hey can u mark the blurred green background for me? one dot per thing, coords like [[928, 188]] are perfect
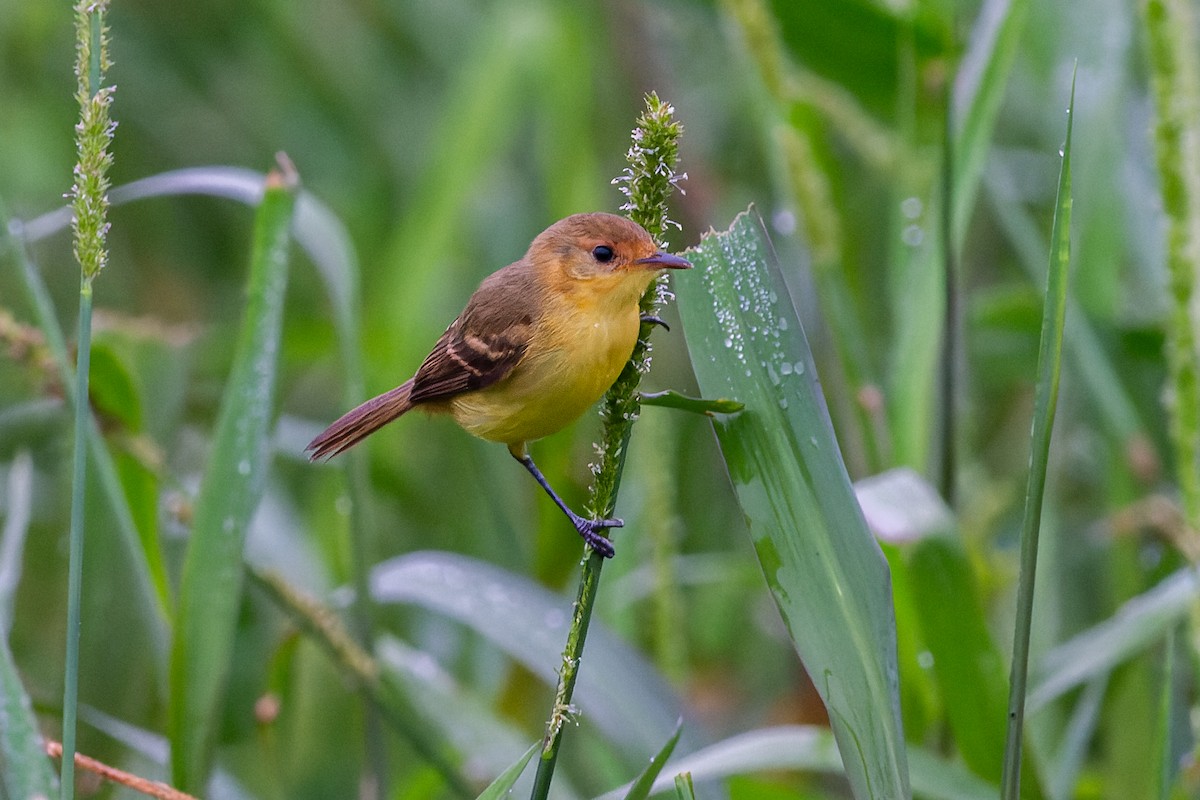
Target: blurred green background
[[445, 135]]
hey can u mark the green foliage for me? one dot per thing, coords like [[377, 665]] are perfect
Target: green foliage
[[1049, 370], [234, 481], [821, 563]]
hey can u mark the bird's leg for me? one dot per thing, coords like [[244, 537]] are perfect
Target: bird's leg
[[589, 529], [653, 320]]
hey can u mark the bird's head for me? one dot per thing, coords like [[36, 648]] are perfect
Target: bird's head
[[603, 252]]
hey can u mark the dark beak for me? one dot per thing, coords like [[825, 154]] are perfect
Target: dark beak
[[661, 260]]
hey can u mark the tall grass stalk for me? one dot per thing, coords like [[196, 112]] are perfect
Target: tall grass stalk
[[647, 182], [1045, 402], [1171, 25], [89, 200]]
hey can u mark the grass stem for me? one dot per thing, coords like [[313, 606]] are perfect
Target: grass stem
[[647, 183]]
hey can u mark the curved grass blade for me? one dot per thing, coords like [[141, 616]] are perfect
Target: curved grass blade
[[825, 570], [1140, 623], [1045, 403], [210, 591], [623, 696], [319, 234], [404, 706], [25, 771], [810, 748]]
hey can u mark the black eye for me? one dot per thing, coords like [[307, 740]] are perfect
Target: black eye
[[602, 253]]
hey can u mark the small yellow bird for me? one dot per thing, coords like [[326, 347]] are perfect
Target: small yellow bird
[[538, 343]]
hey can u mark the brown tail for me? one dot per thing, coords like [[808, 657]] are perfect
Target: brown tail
[[356, 424]]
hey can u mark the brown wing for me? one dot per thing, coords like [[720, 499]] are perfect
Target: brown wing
[[486, 341]]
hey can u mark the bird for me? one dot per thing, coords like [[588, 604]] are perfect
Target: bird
[[537, 344]]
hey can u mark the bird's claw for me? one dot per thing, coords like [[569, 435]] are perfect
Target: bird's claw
[[653, 320], [590, 530]]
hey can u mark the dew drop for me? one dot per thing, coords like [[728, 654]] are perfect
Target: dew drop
[[911, 207]]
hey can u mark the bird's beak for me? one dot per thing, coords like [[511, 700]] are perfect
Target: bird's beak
[[661, 260]]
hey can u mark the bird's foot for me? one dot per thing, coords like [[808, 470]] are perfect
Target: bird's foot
[[653, 320], [591, 531]]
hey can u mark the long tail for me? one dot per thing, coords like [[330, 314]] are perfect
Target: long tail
[[358, 423]]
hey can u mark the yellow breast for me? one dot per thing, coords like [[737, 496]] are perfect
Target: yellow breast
[[575, 356]]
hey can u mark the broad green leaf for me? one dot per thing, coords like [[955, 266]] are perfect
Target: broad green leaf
[[640, 789], [825, 570], [1045, 403], [811, 749], [618, 692], [112, 388], [967, 666], [210, 591]]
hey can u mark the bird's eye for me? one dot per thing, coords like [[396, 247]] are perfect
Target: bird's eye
[[602, 253]]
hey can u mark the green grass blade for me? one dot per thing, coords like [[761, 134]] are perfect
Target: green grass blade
[[503, 785], [19, 497], [154, 600], [978, 92], [641, 787], [1045, 403], [622, 695], [812, 749], [684, 788], [1168, 755], [1140, 623], [478, 121], [25, 770], [825, 570], [967, 666], [407, 708], [210, 591]]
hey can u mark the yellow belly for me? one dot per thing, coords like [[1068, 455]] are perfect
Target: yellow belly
[[554, 383]]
